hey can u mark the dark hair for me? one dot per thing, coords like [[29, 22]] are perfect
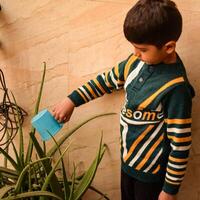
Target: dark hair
[[154, 22]]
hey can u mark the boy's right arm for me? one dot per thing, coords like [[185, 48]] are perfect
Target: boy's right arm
[[104, 83], [63, 110]]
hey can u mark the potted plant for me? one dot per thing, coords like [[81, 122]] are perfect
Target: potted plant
[[37, 178]]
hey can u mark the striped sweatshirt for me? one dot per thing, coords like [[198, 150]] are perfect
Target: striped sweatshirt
[[155, 121]]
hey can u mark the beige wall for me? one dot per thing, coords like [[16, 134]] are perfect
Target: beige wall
[[78, 39]]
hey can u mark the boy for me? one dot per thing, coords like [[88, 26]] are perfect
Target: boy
[[155, 121]]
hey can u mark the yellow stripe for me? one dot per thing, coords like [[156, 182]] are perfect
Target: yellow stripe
[[99, 86], [91, 90], [156, 170], [178, 159], [177, 140], [141, 164], [116, 71], [173, 183], [120, 142], [145, 103], [128, 65], [136, 142], [119, 82], [107, 82], [175, 172], [178, 121], [82, 96]]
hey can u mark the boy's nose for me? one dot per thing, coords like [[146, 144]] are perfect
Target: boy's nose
[[137, 53]]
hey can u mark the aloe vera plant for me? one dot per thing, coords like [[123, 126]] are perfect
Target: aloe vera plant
[[36, 178]]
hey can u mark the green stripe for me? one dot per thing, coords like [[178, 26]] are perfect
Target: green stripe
[[83, 94], [94, 89], [88, 92], [103, 84], [94, 85]]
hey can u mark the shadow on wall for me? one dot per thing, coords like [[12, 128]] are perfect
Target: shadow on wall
[[7, 36]]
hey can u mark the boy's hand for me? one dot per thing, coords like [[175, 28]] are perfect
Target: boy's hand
[[63, 110], [165, 196]]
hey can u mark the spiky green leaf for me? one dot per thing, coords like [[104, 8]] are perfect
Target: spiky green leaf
[[55, 186], [11, 160], [26, 195], [70, 132], [30, 145], [24, 172], [89, 175]]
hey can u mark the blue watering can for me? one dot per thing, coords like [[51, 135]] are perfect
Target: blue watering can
[[45, 124]]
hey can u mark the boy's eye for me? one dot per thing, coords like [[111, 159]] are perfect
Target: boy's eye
[[143, 50]]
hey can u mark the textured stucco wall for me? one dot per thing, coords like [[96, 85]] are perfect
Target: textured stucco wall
[[79, 39]]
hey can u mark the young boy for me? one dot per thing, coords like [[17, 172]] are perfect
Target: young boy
[[155, 121]]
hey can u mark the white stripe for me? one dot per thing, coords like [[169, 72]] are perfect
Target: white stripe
[[180, 148], [179, 130], [133, 74], [104, 79], [130, 121], [174, 178], [159, 108], [124, 134], [85, 92], [177, 166], [146, 144], [154, 161], [96, 89], [114, 80]]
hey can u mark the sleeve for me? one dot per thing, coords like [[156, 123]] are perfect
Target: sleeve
[[106, 82], [177, 108]]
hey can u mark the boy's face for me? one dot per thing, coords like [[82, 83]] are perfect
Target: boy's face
[[150, 54]]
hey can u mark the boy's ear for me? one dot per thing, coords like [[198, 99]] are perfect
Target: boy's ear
[[170, 47]]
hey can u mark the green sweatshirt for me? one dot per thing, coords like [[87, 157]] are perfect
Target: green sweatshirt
[[155, 121]]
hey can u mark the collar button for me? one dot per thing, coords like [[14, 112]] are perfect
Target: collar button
[[141, 79], [151, 68]]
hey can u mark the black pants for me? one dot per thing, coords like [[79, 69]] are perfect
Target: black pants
[[132, 189]]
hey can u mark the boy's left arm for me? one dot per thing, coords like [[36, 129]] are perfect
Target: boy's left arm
[[177, 108], [166, 196]]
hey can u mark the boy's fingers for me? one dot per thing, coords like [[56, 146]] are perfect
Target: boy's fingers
[[63, 121], [60, 118], [56, 116], [66, 119]]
